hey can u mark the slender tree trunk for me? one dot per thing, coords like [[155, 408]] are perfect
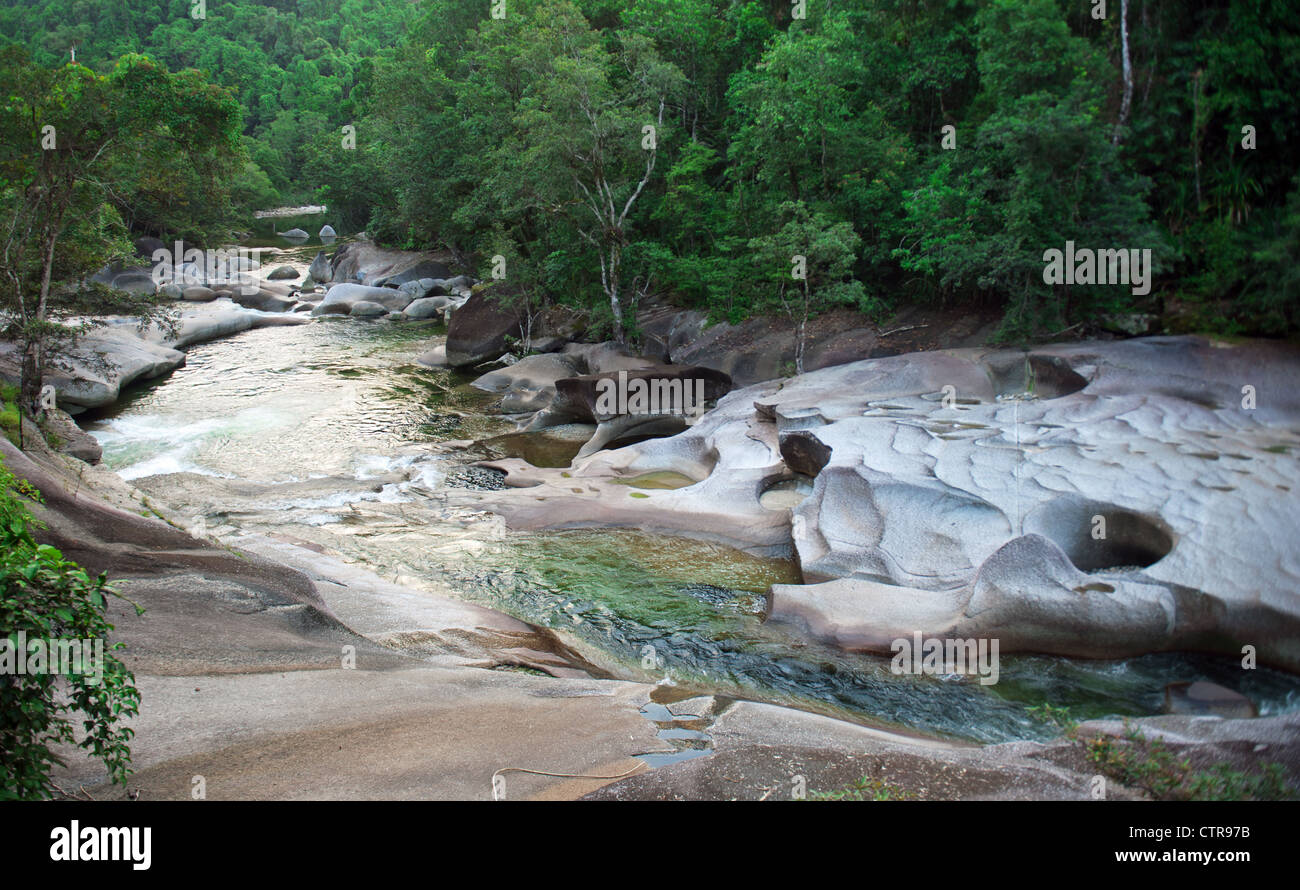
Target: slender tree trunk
[[1126, 103], [615, 303], [1196, 135]]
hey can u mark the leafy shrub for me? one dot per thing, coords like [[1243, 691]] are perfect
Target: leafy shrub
[[51, 598]]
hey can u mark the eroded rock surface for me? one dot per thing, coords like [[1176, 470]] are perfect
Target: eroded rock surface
[[1092, 499]]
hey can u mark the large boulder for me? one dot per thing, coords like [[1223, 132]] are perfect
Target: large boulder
[[294, 235], [427, 307], [198, 294], [665, 389], [264, 300], [319, 270], [478, 330], [135, 282], [342, 297], [421, 269], [528, 384], [146, 247], [327, 232], [364, 262], [70, 438], [367, 309], [283, 273]]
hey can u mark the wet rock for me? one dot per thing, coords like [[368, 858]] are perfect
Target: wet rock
[[294, 235], [1203, 697], [340, 299], [319, 270], [366, 309], [1092, 499], [115, 355], [199, 294], [433, 358], [528, 384]]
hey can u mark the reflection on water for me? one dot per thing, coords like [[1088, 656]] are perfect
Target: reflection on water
[[344, 398]]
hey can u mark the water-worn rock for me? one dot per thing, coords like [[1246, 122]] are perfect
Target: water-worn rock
[[1091, 499], [759, 747], [147, 245], [327, 231], [234, 666], [433, 358], [199, 294], [135, 282], [68, 438], [367, 309], [528, 384], [422, 269], [264, 299], [426, 307], [118, 353], [294, 235], [478, 330], [364, 262], [340, 299], [319, 270], [283, 273]]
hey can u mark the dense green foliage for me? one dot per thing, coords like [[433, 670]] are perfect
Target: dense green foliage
[[78, 150], [47, 598], [472, 138], [297, 67], [954, 140]]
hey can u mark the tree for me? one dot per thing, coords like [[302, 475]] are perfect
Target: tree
[[1040, 169], [807, 266], [591, 127], [70, 139]]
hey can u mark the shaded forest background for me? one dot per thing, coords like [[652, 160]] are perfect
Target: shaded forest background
[[524, 138]]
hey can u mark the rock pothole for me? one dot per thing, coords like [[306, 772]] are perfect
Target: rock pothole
[[1097, 536]]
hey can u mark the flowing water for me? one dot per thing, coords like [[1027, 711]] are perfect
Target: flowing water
[[337, 426]]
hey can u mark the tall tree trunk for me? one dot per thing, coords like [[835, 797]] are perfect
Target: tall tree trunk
[[1126, 103], [615, 303], [1196, 135]]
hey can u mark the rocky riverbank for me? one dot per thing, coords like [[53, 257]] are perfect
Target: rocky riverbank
[[954, 492], [1094, 499], [280, 672]]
